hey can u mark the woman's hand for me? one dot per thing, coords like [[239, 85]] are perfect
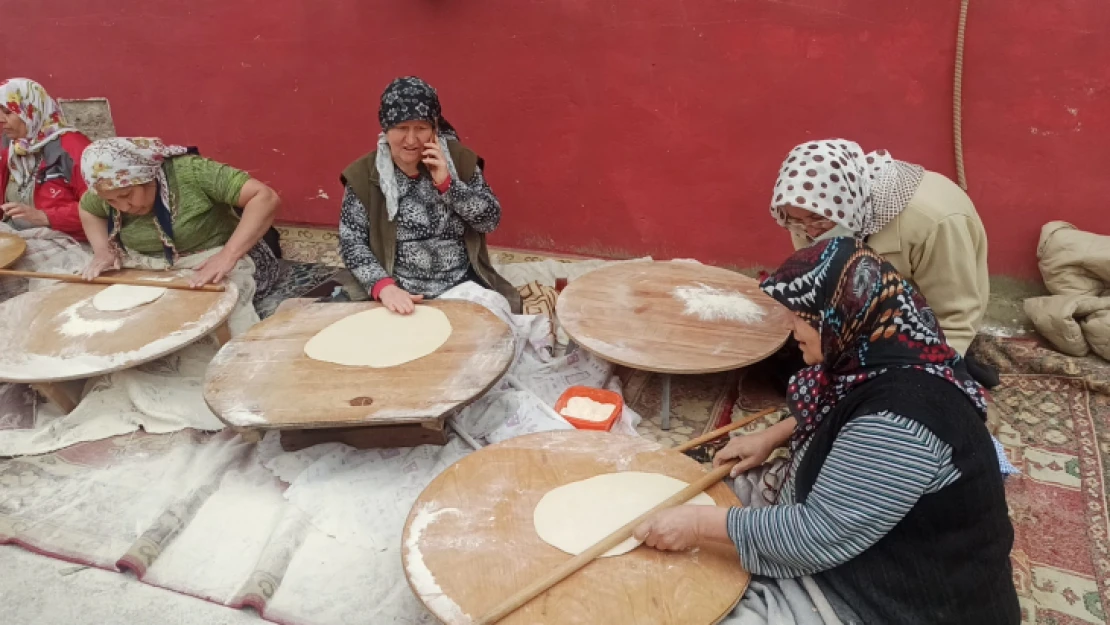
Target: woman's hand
[[435, 161], [751, 450], [16, 210], [683, 527], [214, 269], [399, 300], [102, 260]]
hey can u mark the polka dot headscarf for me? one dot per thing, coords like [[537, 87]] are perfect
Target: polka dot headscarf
[[834, 179]]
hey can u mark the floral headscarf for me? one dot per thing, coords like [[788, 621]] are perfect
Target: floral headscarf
[[834, 179], [871, 321], [27, 99], [404, 100], [126, 162]]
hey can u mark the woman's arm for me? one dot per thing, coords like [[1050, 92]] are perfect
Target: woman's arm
[[105, 257], [259, 203], [354, 245], [475, 202], [878, 468], [945, 267]]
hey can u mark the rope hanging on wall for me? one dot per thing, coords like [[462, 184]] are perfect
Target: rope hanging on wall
[[957, 97]]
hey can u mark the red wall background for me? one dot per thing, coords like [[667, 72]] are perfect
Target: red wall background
[[612, 127]]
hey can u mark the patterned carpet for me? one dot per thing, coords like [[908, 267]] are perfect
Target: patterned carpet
[[1056, 429]]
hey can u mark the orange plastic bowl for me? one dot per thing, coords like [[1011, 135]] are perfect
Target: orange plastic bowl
[[599, 395]]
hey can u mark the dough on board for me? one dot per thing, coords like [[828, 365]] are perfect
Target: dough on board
[[380, 338], [125, 297], [575, 516], [587, 409]]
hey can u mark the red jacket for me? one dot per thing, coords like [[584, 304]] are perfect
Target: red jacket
[[59, 184]]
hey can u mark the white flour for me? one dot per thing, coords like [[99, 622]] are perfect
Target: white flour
[[587, 409], [75, 324], [712, 304], [422, 579]]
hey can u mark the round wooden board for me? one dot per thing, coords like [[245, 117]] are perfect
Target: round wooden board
[[40, 338], [626, 313], [470, 542], [12, 247], [262, 379]]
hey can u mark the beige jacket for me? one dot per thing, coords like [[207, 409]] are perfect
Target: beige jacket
[[939, 244], [1076, 270]]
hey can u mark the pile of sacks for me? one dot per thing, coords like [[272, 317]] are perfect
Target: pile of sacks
[[1076, 269]]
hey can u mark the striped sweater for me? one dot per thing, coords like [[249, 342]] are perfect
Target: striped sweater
[[879, 466]]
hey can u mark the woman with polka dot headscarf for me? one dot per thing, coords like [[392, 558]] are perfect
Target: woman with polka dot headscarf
[[920, 221]]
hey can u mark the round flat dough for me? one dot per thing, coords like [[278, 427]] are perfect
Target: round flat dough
[[575, 516], [380, 338], [125, 297]]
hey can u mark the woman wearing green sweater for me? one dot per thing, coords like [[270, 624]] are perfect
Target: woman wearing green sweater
[[158, 200]]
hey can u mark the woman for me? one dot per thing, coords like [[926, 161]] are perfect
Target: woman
[[416, 211], [892, 499], [158, 200], [40, 161], [920, 221]]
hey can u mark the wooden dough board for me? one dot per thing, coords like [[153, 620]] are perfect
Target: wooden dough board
[[12, 246], [263, 380], [626, 313], [478, 543], [35, 348]]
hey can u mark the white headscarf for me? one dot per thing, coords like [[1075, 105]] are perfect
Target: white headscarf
[[833, 178]]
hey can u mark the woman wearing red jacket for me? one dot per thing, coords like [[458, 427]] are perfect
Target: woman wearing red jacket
[[40, 161]]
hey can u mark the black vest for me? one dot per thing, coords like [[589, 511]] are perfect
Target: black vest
[[948, 560]]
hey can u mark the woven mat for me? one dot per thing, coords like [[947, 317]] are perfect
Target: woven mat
[[1055, 413]]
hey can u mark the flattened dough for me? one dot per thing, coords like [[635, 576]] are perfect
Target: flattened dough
[[575, 516], [379, 338], [125, 297]]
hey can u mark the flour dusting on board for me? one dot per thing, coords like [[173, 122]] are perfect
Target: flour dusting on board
[[422, 579], [712, 304], [75, 324]]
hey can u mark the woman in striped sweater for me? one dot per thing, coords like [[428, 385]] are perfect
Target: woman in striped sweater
[[892, 498]]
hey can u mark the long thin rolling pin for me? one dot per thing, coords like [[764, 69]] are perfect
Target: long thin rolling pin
[[68, 277], [725, 430], [568, 568]]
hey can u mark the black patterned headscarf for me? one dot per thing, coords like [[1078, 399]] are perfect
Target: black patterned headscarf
[[871, 321], [411, 99]]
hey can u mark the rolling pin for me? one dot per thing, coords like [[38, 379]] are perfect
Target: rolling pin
[[568, 568], [721, 431], [68, 277]]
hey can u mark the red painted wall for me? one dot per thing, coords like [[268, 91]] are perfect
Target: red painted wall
[[615, 127]]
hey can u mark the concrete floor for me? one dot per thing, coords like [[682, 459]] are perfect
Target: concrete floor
[[36, 590]]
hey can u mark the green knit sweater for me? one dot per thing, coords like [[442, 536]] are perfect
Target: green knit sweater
[[205, 190]]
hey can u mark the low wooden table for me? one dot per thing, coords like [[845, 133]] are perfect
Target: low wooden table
[[12, 246], [627, 313], [470, 542], [262, 380], [55, 334]]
